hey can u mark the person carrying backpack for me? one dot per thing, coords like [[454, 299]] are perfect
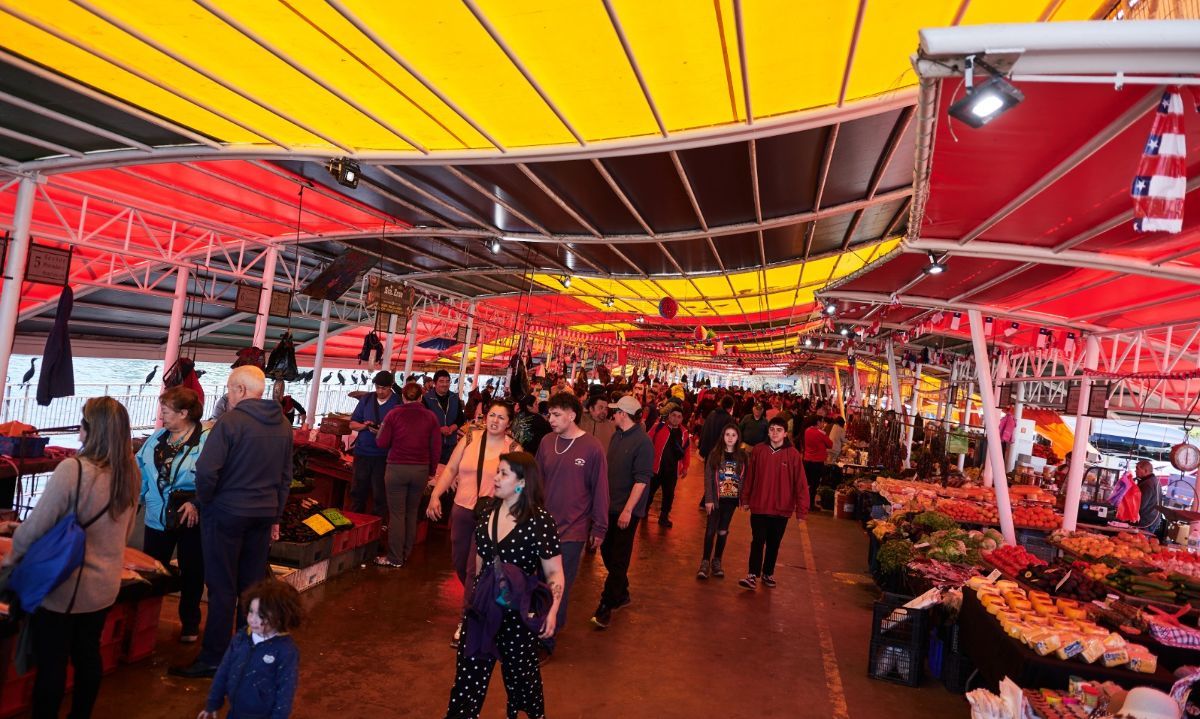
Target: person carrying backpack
[[100, 487]]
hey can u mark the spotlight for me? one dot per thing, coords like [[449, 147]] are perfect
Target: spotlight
[[640, 319], [808, 341], [845, 332], [831, 309], [986, 102], [566, 281], [345, 171], [494, 245], [935, 266], [610, 301]]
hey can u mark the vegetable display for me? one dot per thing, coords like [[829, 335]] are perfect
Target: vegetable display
[[1012, 560], [894, 555]]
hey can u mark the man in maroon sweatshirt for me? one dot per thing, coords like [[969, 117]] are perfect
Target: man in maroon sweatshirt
[[413, 437], [773, 489]]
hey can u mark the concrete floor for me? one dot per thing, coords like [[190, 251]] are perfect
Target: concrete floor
[[376, 641]]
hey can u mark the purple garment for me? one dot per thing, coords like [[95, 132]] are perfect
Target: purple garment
[[528, 596], [576, 483]]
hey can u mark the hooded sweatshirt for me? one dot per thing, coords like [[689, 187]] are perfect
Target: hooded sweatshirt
[[245, 468], [774, 483]]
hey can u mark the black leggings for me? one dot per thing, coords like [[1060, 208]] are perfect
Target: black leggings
[[814, 472], [57, 639], [766, 531], [718, 527]]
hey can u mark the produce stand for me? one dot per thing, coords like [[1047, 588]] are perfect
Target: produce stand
[[998, 655]]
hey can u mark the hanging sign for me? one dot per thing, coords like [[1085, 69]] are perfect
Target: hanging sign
[[1098, 400], [1006, 394], [956, 443], [281, 304], [48, 265], [389, 297], [247, 299], [1074, 390], [461, 335]]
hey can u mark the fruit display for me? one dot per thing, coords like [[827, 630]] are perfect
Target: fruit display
[[1097, 571], [1125, 547], [1062, 580], [1176, 561], [1037, 516], [1054, 704], [966, 511], [1058, 627], [1012, 560]]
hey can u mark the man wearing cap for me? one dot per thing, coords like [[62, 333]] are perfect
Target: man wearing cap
[[630, 466], [370, 462]]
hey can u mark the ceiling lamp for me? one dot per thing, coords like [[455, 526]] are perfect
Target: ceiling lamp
[[935, 267], [494, 245], [845, 332], [808, 341], [566, 281], [345, 171], [986, 102], [610, 301], [640, 319], [831, 309]]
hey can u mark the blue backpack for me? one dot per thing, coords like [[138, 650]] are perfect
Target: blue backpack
[[53, 557]]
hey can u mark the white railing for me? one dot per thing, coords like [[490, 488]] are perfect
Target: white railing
[[20, 403]]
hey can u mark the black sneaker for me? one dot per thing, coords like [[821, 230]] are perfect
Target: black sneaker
[[749, 582], [602, 617], [665, 522], [717, 570], [195, 670], [189, 635], [769, 580], [625, 601], [704, 570]]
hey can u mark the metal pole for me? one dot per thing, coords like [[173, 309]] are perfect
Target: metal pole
[[962, 421], [478, 360], [462, 361], [389, 344], [837, 383], [893, 379], [1083, 430], [991, 426], [412, 346], [175, 330], [1001, 374], [916, 412], [14, 273], [264, 300], [314, 389]]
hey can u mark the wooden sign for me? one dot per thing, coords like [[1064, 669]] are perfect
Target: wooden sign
[[393, 298], [1098, 400], [48, 265], [1074, 391], [281, 304], [247, 299], [461, 335]]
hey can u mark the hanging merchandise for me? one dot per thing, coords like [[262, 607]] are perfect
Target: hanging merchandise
[[1012, 329], [517, 377], [1043, 338], [371, 344], [956, 320], [668, 308], [1067, 344], [719, 348], [282, 363], [183, 374], [58, 370], [1160, 182], [252, 356], [989, 326], [699, 334]]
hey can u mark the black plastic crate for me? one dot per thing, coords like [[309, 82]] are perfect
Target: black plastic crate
[[897, 662], [893, 622], [297, 554], [948, 634], [957, 671], [1036, 544]]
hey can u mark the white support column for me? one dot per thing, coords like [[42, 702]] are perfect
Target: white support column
[[314, 387], [264, 301], [1001, 374], [916, 412], [962, 421], [991, 426], [837, 383], [462, 361], [175, 329], [14, 271], [478, 360], [856, 388], [893, 378], [389, 345], [412, 346], [1083, 430]]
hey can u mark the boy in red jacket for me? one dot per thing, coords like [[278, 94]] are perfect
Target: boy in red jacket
[[774, 488]]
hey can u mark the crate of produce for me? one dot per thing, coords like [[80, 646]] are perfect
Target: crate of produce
[[893, 622], [302, 554], [344, 540], [24, 447], [367, 528], [895, 662]]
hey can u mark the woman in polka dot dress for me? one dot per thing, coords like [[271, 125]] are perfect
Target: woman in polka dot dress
[[517, 530]]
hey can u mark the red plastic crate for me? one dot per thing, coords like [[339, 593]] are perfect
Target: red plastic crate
[[16, 694], [146, 614], [116, 624], [110, 655], [367, 528], [140, 646], [345, 540]]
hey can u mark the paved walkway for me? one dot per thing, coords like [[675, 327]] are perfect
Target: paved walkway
[[376, 644]]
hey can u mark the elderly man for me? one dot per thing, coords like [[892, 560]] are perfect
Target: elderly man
[[595, 420], [242, 480]]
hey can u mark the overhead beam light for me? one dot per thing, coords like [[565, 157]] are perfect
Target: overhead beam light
[[808, 341], [935, 266], [345, 171], [610, 301], [985, 102], [845, 332], [831, 309], [566, 281], [494, 245]]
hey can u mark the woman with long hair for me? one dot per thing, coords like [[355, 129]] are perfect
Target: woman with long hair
[[100, 485], [167, 463], [472, 472], [723, 472], [515, 538]]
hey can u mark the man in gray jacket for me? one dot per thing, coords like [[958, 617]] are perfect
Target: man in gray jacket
[[630, 466], [243, 477]]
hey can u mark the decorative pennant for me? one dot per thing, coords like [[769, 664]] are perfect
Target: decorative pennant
[[989, 326], [1043, 338], [1161, 181], [1012, 329], [955, 320]]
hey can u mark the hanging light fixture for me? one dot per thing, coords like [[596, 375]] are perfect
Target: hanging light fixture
[[986, 102], [345, 171], [845, 332], [831, 309], [935, 266], [566, 281], [610, 301], [808, 341], [494, 245]]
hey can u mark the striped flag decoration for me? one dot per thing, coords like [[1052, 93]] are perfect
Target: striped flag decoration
[[1161, 179]]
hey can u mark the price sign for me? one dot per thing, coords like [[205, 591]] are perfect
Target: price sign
[[1098, 400], [247, 299], [1006, 394], [957, 443], [281, 304], [48, 265]]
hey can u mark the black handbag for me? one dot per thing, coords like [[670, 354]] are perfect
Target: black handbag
[[481, 502], [173, 518]]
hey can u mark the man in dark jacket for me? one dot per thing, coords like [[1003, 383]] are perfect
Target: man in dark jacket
[[243, 477], [754, 426], [630, 466], [710, 433], [370, 460], [448, 409]]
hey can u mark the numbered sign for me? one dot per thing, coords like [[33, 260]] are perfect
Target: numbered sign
[[247, 299], [48, 265]]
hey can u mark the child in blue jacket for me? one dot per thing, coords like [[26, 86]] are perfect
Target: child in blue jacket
[[259, 672]]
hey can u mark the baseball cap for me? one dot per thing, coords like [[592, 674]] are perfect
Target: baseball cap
[[628, 405]]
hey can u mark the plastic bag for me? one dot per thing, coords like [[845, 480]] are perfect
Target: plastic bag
[[282, 362]]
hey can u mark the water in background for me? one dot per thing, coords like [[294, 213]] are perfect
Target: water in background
[[125, 380]]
